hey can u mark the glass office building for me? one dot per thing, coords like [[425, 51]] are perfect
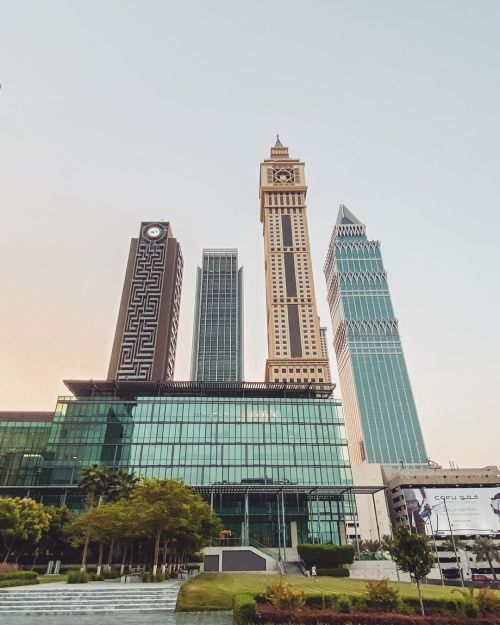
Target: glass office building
[[381, 416], [217, 354], [272, 459], [23, 440]]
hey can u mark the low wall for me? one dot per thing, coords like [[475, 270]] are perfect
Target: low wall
[[237, 559], [377, 569]]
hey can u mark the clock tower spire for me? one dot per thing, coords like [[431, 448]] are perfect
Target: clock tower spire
[[293, 334]]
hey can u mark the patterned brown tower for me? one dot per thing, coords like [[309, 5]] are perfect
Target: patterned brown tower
[[146, 331], [293, 335]]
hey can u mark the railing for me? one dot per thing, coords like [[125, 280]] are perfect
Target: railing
[[272, 552]]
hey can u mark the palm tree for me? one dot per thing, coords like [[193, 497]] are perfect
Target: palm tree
[[120, 484], [370, 545], [485, 549], [93, 482], [387, 543]]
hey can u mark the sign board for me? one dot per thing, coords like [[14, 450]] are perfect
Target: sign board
[[471, 511]]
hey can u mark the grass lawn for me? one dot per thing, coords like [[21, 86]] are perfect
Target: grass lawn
[[48, 579], [215, 591]]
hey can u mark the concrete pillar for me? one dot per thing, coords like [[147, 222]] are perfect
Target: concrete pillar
[[294, 536]]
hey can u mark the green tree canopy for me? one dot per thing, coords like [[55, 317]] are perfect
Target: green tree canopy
[[485, 549], [412, 554]]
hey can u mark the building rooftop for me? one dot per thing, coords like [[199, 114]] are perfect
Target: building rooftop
[[25, 416], [128, 389]]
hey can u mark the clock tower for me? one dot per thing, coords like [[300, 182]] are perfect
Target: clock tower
[[146, 331], [293, 332]]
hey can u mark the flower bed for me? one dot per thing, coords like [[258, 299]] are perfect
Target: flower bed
[[268, 613]]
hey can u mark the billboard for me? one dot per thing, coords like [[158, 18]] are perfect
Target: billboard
[[473, 510]]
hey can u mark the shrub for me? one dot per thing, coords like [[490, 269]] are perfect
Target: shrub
[[14, 574], [326, 556], [244, 609], [8, 567], [344, 604], [18, 578], [488, 601], [382, 596], [307, 616], [284, 596], [77, 577], [338, 571]]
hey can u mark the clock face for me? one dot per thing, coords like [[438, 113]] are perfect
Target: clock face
[[283, 176], [154, 232]]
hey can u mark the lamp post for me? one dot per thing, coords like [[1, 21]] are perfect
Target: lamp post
[[453, 543]]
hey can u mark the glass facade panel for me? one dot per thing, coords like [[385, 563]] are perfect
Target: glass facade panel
[[205, 441]]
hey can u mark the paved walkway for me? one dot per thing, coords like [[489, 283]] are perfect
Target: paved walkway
[[160, 618]]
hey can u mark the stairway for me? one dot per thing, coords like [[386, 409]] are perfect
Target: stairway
[[92, 598], [292, 568]]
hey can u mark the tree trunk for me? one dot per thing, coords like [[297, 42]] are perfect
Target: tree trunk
[[99, 562], [131, 559], [85, 550], [420, 598], [110, 555], [157, 552], [124, 559], [492, 567], [9, 549]]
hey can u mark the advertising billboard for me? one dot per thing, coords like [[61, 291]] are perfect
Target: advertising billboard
[[473, 510]]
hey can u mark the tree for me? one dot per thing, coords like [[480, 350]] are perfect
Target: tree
[[9, 520], [120, 484], [54, 539], [485, 549], [412, 554], [93, 483], [32, 522], [370, 545], [172, 509], [386, 542]]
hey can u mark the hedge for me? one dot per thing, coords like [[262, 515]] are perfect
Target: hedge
[[308, 616], [338, 571], [244, 609], [18, 578], [326, 556]]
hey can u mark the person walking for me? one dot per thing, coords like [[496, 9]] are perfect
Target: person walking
[[313, 571]]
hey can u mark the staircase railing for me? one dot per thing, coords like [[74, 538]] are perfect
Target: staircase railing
[[272, 552]]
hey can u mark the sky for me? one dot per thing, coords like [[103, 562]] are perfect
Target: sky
[[113, 112]]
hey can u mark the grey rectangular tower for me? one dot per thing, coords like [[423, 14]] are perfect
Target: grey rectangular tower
[[218, 319], [146, 331]]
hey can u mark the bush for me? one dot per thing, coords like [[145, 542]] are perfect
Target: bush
[[308, 616], [326, 556], [14, 574], [27, 581], [382, 596], [488, 601], [77, 577], [244, 609], [344, 604], [284, 596], [8, 567], [338, 571]]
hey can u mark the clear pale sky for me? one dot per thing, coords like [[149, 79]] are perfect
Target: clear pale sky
[[113, 112]]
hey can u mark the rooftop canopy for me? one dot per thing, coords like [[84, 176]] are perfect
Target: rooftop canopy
[[130, 389]]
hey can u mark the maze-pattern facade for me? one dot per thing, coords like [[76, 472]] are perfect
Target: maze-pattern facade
[[146, 333]]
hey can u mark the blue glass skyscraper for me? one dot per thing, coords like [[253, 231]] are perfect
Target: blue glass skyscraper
[[381, 417]]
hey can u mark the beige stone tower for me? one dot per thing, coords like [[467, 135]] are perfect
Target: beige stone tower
[[293, 335]]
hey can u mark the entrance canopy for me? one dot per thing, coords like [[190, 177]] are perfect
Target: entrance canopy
[[318, 492]]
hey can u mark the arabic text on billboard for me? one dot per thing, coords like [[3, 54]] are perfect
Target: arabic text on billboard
[[470, 510]]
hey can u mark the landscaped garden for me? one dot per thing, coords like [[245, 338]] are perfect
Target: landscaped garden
[[261, 598]]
